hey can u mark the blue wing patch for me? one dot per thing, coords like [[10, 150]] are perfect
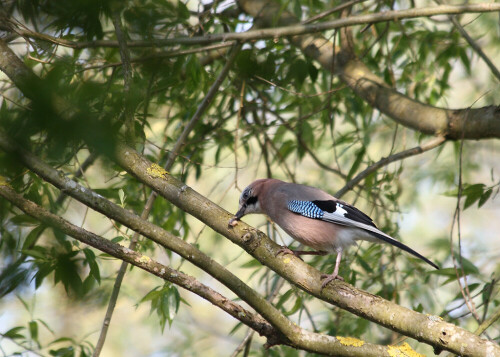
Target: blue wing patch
[[306, 209]]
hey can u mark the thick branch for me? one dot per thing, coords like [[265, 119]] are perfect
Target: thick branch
[[428, 329], [480, 123]]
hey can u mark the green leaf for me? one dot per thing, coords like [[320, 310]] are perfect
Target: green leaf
[[472, 194], [24, 220], [33, 328], [36, 252], [313, 72], [94, 267], [13, 333], [298, 72], [298, 304], [153, 294], [63, 352], [252, 263], [182, 11], [286, 149], [121, 196], [284, 298], [359, 159], [484, 197], [33, 236]]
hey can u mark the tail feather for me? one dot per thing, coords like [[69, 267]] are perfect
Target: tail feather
[[400, 245]]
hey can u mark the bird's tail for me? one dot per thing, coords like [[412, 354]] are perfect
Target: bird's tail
[[400, 245]]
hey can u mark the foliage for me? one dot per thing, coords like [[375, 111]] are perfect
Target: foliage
[[277, 114]]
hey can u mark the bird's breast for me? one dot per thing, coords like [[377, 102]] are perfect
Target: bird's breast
[[315, 233]]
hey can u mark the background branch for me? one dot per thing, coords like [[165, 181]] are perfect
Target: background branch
[[475, 123]]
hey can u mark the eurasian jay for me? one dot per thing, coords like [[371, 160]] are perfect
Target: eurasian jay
[[314, 218]]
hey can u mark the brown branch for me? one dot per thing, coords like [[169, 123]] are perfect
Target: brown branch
[[425, 328], [219, 49], [478, 123]]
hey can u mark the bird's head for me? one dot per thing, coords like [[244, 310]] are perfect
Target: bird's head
[[249, 200]]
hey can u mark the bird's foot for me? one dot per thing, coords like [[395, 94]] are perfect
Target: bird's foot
[[286, 250], [328, 278]]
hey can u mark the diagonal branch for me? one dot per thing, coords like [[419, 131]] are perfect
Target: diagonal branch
[[473, 44], [431, 144], [428, 329]]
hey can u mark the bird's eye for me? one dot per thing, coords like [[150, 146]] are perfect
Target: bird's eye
[[245, 194]]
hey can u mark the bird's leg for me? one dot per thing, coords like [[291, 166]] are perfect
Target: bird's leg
[[335, 274]]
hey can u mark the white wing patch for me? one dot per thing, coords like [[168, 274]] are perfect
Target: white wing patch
[[339, 217], [340, 210]]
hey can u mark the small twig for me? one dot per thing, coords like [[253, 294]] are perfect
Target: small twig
[[331, 11], [487, 323], [236, 131], [298, 94], [162, 55], [456, 218], [127, 76], [306, 148], [387, 160], [245, 343]]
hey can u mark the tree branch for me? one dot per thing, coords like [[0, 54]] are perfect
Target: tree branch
[[287, 29], [431, 144], [454, 124], [473, 44]]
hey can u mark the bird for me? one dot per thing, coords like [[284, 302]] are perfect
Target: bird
[[314, 218]]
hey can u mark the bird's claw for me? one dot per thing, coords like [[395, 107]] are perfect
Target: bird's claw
[[286, 250], [328, 278]]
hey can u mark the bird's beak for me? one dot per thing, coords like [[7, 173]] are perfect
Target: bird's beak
[[241, 212]]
